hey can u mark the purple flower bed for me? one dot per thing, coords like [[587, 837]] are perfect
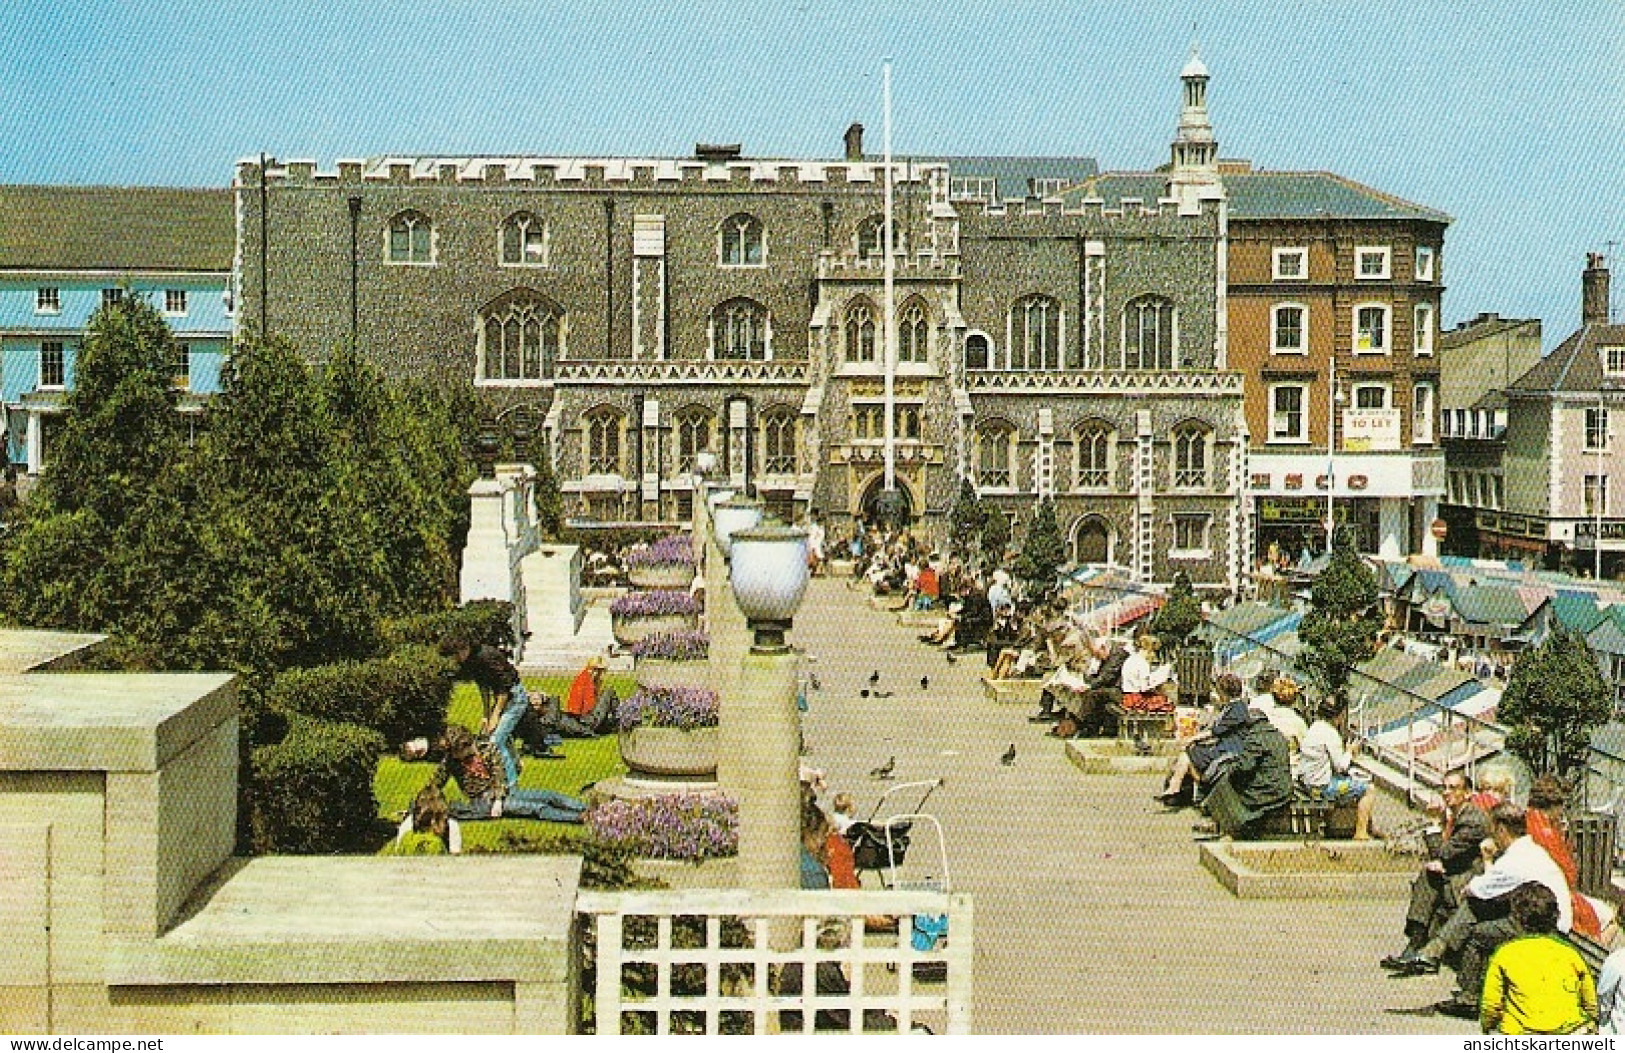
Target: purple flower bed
[[660, 601], [688, 646], [675, 550], [690, 826], [686, 708]]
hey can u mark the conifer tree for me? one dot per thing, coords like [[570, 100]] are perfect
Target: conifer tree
[[1553, 701], [1340, 630], [1043, 551]]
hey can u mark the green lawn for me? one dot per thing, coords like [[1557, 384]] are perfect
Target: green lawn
[[586, 761]]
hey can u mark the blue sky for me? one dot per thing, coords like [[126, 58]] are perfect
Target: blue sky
[[1511, 117]]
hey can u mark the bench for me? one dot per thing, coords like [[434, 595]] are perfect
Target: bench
[[1135, 725]]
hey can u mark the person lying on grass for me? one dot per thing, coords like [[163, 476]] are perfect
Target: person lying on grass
[[479, 771]]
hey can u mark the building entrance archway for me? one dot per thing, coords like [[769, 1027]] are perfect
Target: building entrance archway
[[872, 507], [1092, 540]]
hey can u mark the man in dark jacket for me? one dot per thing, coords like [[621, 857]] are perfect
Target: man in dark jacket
[[1257, 785], [1452, 863]]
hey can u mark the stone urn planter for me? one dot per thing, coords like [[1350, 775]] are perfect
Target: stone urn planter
[[661, 576], [671, 752], [630, 628], [656, 673], [638, 615]]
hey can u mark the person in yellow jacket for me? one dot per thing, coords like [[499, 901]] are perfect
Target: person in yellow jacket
[[1537, 984]]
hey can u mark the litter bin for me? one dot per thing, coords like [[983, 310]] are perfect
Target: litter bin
[[1193, 668], [1592, 834]]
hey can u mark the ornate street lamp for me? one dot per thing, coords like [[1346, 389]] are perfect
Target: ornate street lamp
[[761, 729], [738, 513], [768, 570]]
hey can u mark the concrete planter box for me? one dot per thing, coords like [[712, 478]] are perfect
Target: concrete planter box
[[1021, 691], [671, 751], [661, 576], [629, 629], [1116, 757], [656, 673], [1335, 870]]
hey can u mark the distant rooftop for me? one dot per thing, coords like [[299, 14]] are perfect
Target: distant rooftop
[[1576, 364], [1487, 323], [1269, 195], [104, 228]]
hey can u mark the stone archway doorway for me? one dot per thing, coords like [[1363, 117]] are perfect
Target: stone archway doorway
[[871, 508], [1092, 541]]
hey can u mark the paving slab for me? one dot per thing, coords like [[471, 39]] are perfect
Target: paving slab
[[1093, 911]]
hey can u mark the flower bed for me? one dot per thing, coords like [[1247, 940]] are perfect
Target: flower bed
[[683, 708], [687, 826], [652, 604], [675, 550], [639, 615], [687, 646]]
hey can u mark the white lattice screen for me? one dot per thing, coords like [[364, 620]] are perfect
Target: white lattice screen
[[720, 962]]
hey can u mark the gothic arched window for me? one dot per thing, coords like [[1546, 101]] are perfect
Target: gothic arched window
[[524, 241], [739, 330], [520, 337], [1148, 333], [742, 241], [860, 332], [1035, 333]]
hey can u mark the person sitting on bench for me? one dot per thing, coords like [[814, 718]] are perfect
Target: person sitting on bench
[[1201, 760], [1255, 786], [1325, 767], [1144, 681], [1453, 861]]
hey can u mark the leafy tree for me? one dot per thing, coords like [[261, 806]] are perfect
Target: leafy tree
[[995, 533], [1556, 696], [1179, 616], [1042, 551], [1340, 630]]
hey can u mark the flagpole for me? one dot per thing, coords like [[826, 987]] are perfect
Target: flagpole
[[889, 306]]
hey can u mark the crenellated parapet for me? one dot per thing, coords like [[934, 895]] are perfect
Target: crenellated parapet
[[587, 173]]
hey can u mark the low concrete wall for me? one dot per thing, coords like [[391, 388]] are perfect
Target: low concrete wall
[[1335, 870], [124, 912], [1116, 757], [1021, 692]]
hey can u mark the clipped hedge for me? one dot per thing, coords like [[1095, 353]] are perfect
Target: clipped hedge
[[479, 622], [311, 793], [399, 696]]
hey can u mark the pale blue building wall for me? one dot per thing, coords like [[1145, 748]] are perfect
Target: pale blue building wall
[[205, 326]]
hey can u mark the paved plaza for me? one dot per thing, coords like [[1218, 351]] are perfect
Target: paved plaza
[[1093, 913]]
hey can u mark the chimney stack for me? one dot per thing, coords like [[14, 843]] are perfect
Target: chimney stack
[[1594, 291], [854, 142]]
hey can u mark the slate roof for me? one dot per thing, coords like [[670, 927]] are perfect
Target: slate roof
[[1271, 195], [1575, 364], [1012, 175], [116, 228]]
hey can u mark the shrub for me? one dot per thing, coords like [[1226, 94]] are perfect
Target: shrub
[[691, 826], [661, 601], [685, 708], [674, 550], [399, 696], [311, 793], [478, 622], [689, 646]]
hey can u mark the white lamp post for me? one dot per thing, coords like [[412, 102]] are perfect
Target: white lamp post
[[760, 725], [731, 516]]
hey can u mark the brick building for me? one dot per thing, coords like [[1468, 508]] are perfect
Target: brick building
[[648, 310], [1329, 283]]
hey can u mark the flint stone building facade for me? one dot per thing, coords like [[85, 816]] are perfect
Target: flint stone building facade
[[647, 310]]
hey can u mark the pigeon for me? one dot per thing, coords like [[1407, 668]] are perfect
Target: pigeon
[[874, 678], [1009, 755], [864, 693], [950, 656], [885, 770], [817, 684], [925, 683], [884, 694]]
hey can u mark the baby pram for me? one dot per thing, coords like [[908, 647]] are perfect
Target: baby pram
[[881, 845]]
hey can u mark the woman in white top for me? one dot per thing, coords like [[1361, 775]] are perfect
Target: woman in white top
[[1325, 768], [1143, 680]]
